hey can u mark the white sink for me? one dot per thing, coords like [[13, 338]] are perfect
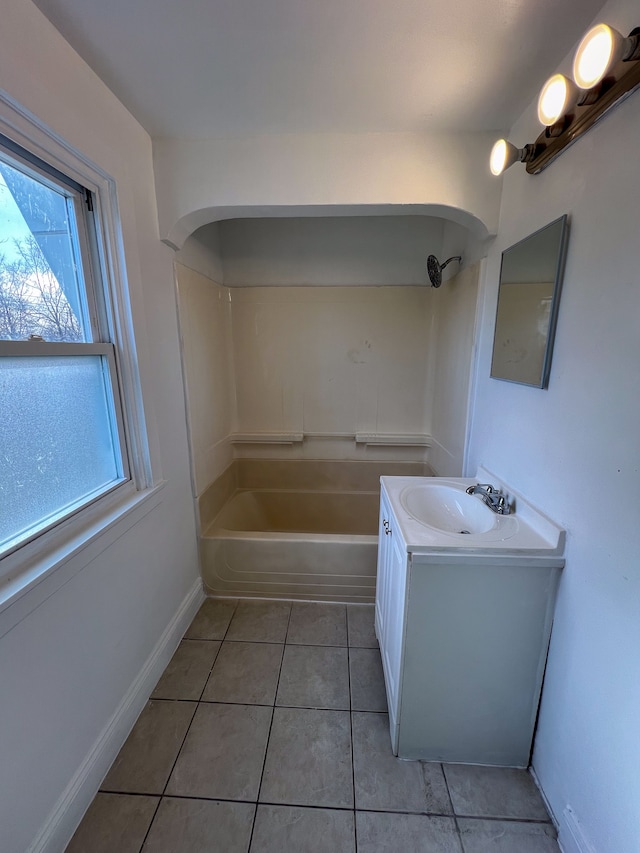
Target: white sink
[[448, 509], [437, 514]]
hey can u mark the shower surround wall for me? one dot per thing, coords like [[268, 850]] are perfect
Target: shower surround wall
[[327, 361], [207, 354], [332, 362], [454, 324]]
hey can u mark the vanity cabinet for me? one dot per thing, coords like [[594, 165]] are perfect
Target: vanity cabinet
[[463, 640]]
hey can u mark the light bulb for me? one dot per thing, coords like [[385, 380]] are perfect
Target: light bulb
[[503, 155], [598, 51], [558, 95], [498, 158]]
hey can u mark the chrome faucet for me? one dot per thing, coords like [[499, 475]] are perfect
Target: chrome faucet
[[493, 497]]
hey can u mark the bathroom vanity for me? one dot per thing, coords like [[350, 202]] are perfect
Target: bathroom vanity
[[464, 607]]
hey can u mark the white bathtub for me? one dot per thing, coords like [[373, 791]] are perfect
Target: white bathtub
[[289, 544], [293, 541]]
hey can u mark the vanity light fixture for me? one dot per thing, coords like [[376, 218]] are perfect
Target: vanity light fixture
[[505, 154], [558, 96], [606, 70], [600, 49]]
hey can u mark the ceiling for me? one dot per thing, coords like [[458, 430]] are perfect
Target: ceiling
[[226, 68]]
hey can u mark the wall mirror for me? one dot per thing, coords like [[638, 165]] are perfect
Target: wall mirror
[[528, 297]]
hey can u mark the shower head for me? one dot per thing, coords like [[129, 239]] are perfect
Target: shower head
[[434, 268]]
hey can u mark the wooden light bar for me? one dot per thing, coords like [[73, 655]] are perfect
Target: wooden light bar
[[621, 82]]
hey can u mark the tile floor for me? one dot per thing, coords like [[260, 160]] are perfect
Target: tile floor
[[268, 733]]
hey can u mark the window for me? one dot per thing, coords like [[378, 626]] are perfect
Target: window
[[62, 433]]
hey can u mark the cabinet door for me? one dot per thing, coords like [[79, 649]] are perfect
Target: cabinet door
[[382, 576], [390, 606], [394, 620]]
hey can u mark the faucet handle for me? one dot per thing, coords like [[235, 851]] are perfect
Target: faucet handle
[[486, 487]]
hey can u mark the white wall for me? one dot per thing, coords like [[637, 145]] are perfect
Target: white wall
[[573, 450], [351, 250], [201, 252], [205, 331], [71, 649], [201, 181]]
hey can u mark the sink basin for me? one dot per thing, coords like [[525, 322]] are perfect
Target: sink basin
[[448, 509], [436, 515]]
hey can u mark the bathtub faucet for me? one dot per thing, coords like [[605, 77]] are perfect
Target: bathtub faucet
[[493, 497]]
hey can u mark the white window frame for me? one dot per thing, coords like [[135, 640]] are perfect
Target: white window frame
[[50, 548]]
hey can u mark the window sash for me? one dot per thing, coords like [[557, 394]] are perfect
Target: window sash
[[44, 349], [93, 298]]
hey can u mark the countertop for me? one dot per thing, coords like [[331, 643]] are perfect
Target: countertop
[[526, 531]]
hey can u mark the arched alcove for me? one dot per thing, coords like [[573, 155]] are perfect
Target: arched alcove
[[329, 250], [192, 222], [439, 175], [301, 334]]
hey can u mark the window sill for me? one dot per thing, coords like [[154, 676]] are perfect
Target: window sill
[[46, 563]]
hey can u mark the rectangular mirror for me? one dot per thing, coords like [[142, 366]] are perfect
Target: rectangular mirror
[[530, 283]]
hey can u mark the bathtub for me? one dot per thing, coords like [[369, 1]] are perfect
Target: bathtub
[[297, 542]]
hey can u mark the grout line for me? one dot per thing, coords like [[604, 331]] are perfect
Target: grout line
[[520, 820], [280, 643], [453, 811], [312, 708], [170, 699], [318, 808], [458, 832], [214, 660], [168, 777], [395, 811], [353, 768], [446, 783], [253, 642], [330, 645], [199, 640], [533, 820], [187, 732], [266, 747], [127, 793], [315, 646], [214, 639], [264, 705]]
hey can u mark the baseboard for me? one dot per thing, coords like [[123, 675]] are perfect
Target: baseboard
[[541, 791], [571, 837], [64, 818]]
